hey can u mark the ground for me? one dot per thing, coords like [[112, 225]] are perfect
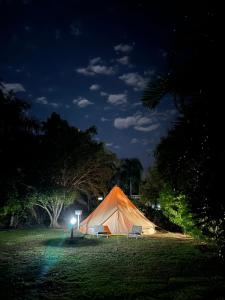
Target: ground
[[45, 264]]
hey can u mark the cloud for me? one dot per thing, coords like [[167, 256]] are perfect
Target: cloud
[[82, 102], [117, 99], [147, 129], [109, 144], [124, 123], [54, 104], [15, 87], [96, 67], [134, 80], [94, 87], [134, 141], [75, 30], [42, 100], [103, 94], [136, 104], [104, 119], [123, 48], [123, 60], [137, 122], [96, 60]]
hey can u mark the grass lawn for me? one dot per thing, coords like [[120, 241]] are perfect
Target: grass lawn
[[44, 264]]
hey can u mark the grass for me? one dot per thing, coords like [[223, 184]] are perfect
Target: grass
[[45, 264]]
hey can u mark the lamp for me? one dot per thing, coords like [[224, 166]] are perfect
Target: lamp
[[78, 213], [73, 221]]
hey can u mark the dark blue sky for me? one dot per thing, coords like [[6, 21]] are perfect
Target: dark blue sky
[[90, 61]]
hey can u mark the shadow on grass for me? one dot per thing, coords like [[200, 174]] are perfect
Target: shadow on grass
[[68, 242]]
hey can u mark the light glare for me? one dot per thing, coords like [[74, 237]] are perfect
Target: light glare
[[73, 220]]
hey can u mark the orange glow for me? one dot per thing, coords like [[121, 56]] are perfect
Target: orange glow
[[118, 214]]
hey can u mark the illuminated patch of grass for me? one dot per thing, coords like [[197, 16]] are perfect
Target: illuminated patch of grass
[[45, 264]]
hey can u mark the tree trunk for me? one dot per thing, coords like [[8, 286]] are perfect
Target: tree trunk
[[12, 220], [130, 187], [54, 222]]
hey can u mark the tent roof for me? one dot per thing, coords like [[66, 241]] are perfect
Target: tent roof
[[118, 213]]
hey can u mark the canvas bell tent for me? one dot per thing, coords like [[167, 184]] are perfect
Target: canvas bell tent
[[117, 214]]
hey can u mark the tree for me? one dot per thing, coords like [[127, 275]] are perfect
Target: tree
[[53, 202], [17, 151], [151, 187], [190, 157], [70, 161], [176, 208], [128, 175]]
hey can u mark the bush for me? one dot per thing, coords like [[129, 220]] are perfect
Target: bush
[[176, 209]]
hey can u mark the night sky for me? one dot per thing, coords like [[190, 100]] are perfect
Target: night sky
[[90, 61]]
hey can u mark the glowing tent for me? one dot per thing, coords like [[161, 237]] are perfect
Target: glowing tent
[[117, 214]]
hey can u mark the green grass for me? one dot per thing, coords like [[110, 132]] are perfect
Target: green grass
[[44, 264]]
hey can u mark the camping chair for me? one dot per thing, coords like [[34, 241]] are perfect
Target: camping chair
[[136, 231], [100, 231]]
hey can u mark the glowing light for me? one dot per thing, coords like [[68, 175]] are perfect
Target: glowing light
[[100, 198], [73, 221]]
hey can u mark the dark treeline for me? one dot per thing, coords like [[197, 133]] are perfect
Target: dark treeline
[[47, 166], [186, 178]]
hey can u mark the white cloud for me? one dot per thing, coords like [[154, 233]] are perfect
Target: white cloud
[[96, 67], [117, 99], [85, 71], [15, 87], [42, 100], [109, 144], [124, 123], [94, 87], [135, 80], [137, 122], [82, 102], [123, 48], [54, 104], [123, 60], [136, 104], [147, 129]]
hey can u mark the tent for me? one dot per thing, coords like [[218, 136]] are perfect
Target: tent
[[117, 214]]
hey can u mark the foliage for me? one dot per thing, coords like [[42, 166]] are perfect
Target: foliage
[[191, 158], [128, 175], [45, 158], [151, 187], [17, 147], [175, 207], [53, 202], [16, 208]]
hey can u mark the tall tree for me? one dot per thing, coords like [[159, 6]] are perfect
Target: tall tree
[[71, 161], [129, 175], [190, 157], [17, 151]]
